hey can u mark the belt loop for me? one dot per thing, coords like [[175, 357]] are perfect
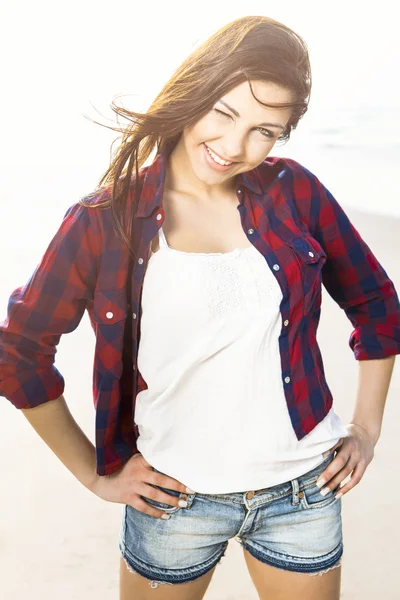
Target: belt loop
[[295, 491]]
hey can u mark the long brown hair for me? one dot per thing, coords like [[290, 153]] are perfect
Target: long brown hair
[[251, 47]]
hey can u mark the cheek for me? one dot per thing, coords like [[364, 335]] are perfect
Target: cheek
[[204, 130], [259, 153]]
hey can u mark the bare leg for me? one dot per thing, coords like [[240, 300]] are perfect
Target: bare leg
[[280, 584], [135, 587]]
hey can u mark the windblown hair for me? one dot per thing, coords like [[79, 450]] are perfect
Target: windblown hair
[[248, 48]]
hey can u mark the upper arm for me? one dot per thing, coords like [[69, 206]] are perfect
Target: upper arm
[[352, 274], [51, 303]]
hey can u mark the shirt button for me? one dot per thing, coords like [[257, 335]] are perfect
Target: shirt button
[[140, 261], [134, 315], [311, 253], [159, 216], [276, 267], [109, 315], [250, 231], [287, 379], [286, 322]]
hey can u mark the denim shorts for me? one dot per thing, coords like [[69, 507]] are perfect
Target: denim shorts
[[290, 526]]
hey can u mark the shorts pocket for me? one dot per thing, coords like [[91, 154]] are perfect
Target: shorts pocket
[[161, 505], [311, 497], [167, 507]]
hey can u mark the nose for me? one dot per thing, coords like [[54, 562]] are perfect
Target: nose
[[233, 147]]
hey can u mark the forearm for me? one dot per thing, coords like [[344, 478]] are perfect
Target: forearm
[[55, 424], [373, 386]]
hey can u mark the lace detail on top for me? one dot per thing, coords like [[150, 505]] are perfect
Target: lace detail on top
[[164, 245]]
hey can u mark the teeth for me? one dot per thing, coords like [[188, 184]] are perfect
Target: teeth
[[217, 159]]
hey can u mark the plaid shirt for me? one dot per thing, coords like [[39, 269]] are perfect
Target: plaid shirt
[[289, 216]]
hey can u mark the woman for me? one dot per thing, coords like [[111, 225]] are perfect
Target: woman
[[201, 274]]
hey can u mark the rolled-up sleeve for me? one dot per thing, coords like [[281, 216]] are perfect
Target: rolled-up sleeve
[[354, 278], [51, 303]]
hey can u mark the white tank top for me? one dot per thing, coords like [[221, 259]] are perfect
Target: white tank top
[[214, 415]]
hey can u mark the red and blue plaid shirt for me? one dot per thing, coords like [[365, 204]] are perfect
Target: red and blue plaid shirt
[[293, 221]]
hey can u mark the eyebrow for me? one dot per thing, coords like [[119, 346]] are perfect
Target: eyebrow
[[235, 112]]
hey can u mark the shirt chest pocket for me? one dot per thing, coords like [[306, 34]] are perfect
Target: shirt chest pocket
[[109, 316], [310, 258]]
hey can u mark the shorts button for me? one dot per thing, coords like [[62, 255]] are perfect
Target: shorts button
[[249, 495]]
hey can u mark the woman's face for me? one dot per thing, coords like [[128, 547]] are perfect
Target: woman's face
[[244, 134]]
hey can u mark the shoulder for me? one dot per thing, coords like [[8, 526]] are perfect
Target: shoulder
[[83, 221], [98, 198], [285, 169], [286, 176], [99, 201], [303, 183], [298, 185], [93, 208]]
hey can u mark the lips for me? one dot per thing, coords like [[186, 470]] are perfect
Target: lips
[[221, 157]]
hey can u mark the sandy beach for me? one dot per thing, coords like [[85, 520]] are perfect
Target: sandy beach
[[57, 540]]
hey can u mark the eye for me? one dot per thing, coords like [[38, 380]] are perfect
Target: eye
[[222, 113], [264, 132]]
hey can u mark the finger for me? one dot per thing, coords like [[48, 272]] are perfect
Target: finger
[[334, 467], [355, 478], [168, 482], [160, 496], [339, 477], [145, 508]]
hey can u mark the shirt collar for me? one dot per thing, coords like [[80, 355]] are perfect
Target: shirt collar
[[154, 180]]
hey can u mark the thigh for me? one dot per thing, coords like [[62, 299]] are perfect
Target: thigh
[[296, 529], [133, 586], [179, 550], [279, 584]]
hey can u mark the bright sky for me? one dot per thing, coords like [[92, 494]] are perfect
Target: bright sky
[[61, 61]]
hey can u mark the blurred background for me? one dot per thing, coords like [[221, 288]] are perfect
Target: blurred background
[[62, 61]]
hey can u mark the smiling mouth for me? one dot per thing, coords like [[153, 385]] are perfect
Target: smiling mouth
[[231, 162]]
